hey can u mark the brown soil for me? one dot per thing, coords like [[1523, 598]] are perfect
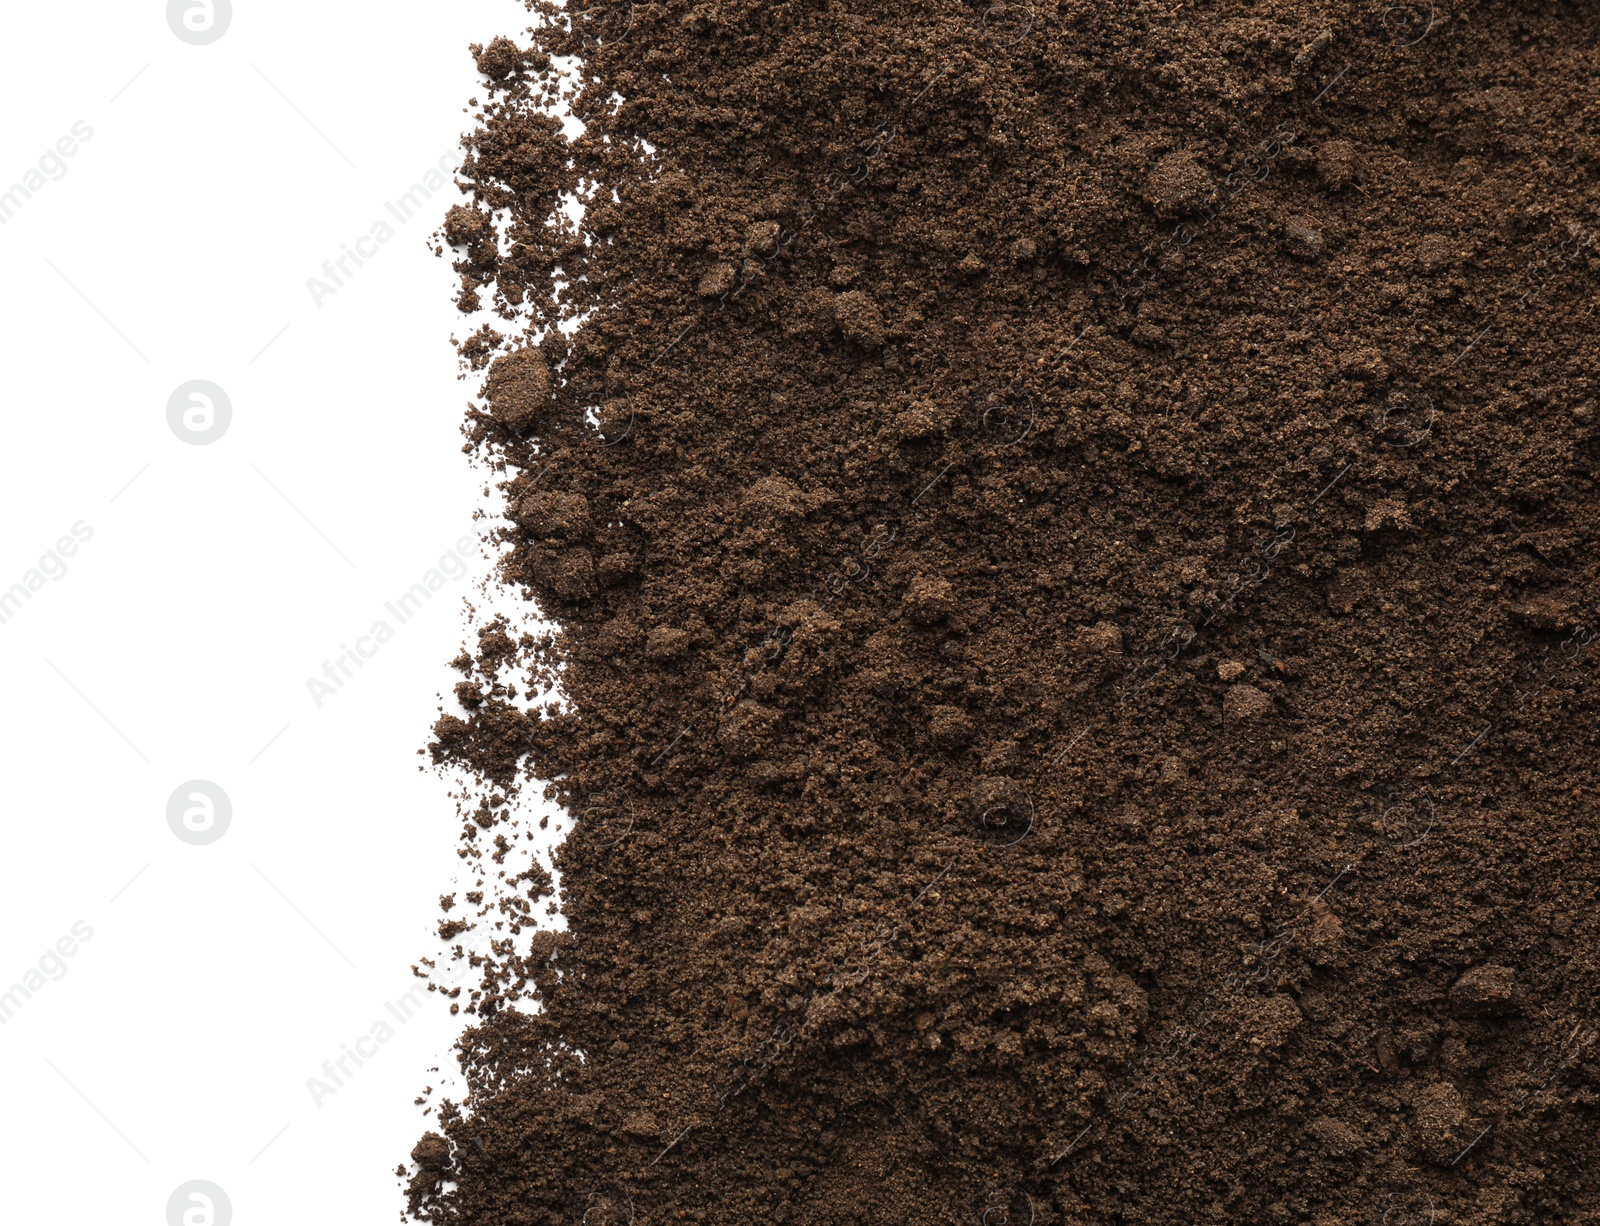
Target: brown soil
[[1073, 531]]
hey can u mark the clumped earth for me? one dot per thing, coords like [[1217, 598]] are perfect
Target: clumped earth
[[1072, 531]]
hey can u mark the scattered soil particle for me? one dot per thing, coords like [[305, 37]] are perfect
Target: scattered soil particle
[[1338, 1139], [1245, 702], [1441, 1120], [1178, 184], [1485, 990]]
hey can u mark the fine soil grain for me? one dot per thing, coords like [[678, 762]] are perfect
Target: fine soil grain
[[1072, 531]]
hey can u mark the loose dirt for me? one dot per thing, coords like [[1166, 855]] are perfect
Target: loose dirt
[[1072, 529]]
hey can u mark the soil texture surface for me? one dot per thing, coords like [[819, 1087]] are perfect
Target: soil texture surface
[[1072, 528]]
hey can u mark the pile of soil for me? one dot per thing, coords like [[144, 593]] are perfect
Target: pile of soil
[[1072, 531]]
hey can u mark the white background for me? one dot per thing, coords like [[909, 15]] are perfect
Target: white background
[[177, 646]]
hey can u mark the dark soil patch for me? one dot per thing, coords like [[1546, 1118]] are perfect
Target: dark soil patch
[[1073, 530]]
